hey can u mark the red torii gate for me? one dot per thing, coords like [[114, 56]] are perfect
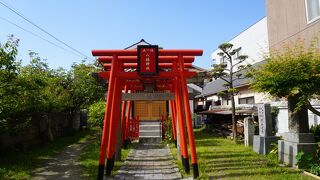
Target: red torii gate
[[145, 63]]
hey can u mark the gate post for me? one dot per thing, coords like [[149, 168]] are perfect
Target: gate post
[[106, 123], [123, 118], [188, 118], [173, 119], [126, 141], [181, 125], [114, 118]]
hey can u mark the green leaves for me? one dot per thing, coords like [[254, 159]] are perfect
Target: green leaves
[[96, 114], [84, 89], [225, 47], [232, 69], [294, 71], [35, 88]]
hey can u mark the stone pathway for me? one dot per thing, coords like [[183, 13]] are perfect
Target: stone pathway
[[62, 166], [149, 161]]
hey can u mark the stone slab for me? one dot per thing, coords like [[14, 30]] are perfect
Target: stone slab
[[248, 131], [299, 137], [265, 121], [261, 144], [287, 151]]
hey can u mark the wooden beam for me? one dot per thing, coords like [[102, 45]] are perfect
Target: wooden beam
[[147, 96]]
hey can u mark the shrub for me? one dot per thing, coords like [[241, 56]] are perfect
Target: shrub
[[315, 169], [96, 114], [168, 136], [304, 160]]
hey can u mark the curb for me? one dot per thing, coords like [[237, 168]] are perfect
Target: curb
[[312, 175]]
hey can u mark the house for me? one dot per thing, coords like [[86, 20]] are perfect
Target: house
[[252, 42], [210, 104], [288, 21]]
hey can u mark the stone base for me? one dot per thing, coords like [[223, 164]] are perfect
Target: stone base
[[261, 144], [150, 139], [294, 143]]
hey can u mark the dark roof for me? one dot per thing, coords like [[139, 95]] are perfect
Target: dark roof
[[135, 45], [218, 84], [199, 69], [194, 87], [226, 112]]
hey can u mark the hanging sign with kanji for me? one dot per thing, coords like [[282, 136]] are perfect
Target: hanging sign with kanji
[[147, 60]]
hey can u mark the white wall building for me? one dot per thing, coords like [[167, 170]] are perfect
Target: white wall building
[[253, 42]]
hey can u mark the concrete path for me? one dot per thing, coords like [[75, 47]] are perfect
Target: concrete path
[[62, 166], [149, 161]]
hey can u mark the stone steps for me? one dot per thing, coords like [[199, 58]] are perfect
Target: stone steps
[[150, 132]]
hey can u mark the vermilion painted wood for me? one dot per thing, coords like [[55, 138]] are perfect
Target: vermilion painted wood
[[128, 59], [133, 59], [187, 112], [135, 65], [173, 117], [183, 52], [162, 52], [123, 117], [114, 118], [128, 120], [181, 124], [117, 52], [140, 83], [135, 75], [106, 122]]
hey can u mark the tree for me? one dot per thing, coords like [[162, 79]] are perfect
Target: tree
[[294, 74], [230, 71], [35, 89], [84, 88]]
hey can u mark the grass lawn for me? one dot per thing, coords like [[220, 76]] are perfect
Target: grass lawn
[[221, 158], [89, 160], [18, 165]]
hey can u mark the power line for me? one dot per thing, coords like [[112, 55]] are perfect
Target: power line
[[28, 20], [12, 23]]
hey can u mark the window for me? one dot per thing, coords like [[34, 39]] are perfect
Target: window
[[312, 10], [247, 100], [223, 60]]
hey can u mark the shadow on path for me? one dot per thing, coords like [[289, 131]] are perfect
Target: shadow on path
[[65, 165]]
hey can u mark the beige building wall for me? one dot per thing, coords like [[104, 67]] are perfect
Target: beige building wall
[[287, 21]]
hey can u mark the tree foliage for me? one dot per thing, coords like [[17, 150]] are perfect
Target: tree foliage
[[84, 88], [230, 71], [96, 114], [295, 71], [35, 88]]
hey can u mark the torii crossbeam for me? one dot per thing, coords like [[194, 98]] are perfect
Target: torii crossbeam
[[134, 70]]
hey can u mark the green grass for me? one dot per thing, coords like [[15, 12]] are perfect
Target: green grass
[[19, 165], [221, 158], [89, 160]]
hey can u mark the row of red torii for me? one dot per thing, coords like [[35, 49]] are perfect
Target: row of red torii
[[134, 70]]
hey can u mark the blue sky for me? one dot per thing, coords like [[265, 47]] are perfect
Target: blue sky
[[106, 24]]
